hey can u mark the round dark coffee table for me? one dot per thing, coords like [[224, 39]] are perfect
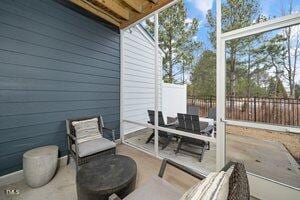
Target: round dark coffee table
[[106, 175]]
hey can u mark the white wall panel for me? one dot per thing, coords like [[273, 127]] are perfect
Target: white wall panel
[[174, 99], [139, 75]]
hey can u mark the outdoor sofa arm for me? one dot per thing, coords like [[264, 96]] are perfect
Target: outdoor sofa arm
[[180, 167], [227, 166], [186, 169], [112, 132]]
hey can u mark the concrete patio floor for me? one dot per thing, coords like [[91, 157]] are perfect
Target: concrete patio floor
[[63, 187], [265, 158]]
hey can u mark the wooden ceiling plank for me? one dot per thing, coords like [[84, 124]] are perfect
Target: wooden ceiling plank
[[135, 4], [115, 7], [154, 1], [148, 9], [96, 11]]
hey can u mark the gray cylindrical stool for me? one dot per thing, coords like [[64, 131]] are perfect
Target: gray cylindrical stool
[[39, 165]]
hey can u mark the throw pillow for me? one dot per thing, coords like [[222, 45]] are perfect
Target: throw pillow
[[214, 187], [86, 130]]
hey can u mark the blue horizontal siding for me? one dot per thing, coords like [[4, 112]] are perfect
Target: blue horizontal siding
[[56, 62], [29, 60]]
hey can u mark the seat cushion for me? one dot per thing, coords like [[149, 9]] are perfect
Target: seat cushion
[[94, 146], [155, 188], [87, 130]]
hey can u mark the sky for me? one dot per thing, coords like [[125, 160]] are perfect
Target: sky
[[270, 8], [198, 9]]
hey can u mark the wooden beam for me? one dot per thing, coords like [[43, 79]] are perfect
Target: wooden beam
[[115, 7], [154, 1], [96, 11], [135, 4], [148, 9]]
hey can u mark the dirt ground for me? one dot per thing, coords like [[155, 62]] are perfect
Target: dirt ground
[[289, 140], [258, 156]]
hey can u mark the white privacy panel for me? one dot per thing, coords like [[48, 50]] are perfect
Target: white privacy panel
[[174, 99]]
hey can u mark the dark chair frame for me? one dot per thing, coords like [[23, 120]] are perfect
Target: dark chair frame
[[187, 169], [190, 123], [212, 114], [161, 122], [234, 180], [238, 182], [71, 139]]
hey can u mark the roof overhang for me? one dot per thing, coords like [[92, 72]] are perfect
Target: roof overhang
[[123, 13]]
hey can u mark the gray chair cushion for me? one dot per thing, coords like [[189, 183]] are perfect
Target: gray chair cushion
[[93, 146], [155, 188]]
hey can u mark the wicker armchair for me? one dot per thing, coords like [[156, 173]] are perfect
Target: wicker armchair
[[84, 152]]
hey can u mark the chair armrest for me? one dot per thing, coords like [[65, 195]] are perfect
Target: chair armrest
[[114, 197], [227, 166], [180, 167], [188, 170], [112, 132], [169, 124], [208, 130], [72, 137]]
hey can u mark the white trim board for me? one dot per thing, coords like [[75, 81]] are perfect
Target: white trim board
[[264, 126], [270, 25]]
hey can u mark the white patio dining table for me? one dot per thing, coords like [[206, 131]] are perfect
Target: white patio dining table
[[208, 120]]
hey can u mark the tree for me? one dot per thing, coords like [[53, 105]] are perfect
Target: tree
[[203, 77], [276, 88], [274, 51], [292, 45], [297, 91], [235, 15], [251, 58], [176, 39]]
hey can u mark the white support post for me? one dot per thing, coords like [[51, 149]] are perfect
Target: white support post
[[122, 85], [156, 84], [220, 145]]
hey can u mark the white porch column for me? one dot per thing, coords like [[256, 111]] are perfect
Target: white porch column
[[122, 85], [220, 146], [156, 83]]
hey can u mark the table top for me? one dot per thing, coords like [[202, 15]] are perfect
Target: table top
[[208, 120], [204, 122], [107, 173], [41, 151]]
